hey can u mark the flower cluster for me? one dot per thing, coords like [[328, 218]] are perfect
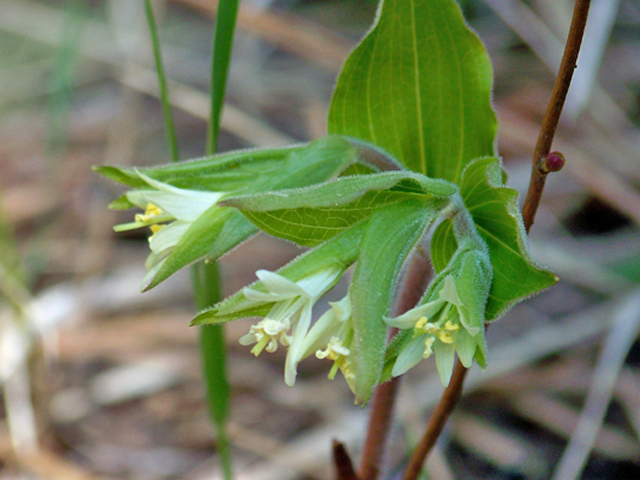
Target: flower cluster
[[449, 320], [331, 337], [169, 212], [288, 321]]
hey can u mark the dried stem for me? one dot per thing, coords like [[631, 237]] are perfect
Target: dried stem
[[539, 172]]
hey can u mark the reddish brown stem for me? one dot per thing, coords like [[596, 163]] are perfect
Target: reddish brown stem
[[439, 418], [554, 109], [378, 431], [384, 396], [539, 172]]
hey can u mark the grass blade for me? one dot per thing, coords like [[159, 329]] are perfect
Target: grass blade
[[170, 129], [206, 276], [206, 283], [222, 44]]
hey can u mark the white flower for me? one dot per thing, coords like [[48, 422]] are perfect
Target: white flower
[[291, 311], [169, 212], [331, 337], [441, 326]]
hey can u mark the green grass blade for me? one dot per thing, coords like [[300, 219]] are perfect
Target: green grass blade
[[207, 278], [222, 44], [206, 282], [170, 129]]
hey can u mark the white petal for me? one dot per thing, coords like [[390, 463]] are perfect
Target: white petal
[[342, 308], [278, 284], [247, 339], [410, 356], [320, 334], [263, 297], [137, 198], [445, 355], [165, 187], [180, 206], [319, 283], [409, 319], [294, 355], [168, 236], [466, 347], [449, 292]]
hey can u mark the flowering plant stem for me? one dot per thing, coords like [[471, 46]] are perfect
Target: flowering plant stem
[[452, 393]]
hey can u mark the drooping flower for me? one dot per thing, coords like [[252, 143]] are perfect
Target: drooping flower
[[449, 320], [169, 212], [330, 337], [289, 318]]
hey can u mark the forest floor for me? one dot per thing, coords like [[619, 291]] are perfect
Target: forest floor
[[113, 376]]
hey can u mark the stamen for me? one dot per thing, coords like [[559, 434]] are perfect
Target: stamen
[[428, 343], [452, 327], [444, 336], [151, 212]]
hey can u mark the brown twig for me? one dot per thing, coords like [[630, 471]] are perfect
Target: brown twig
[[552, 115], [439, 417], [543, 163]]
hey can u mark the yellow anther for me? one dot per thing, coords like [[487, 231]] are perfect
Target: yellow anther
[[151, 212], [452, 327], [444, 336], [156, 228], [421, 323]]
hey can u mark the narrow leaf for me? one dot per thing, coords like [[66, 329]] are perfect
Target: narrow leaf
[[391, 234], [169, 127]]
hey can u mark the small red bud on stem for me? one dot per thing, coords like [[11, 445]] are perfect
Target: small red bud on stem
[[553, 162]]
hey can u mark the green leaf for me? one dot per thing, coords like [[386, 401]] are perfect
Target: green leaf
[[312, 215], [391, 234], [264, 169], [495, 212], [341, 191], [419, 87]]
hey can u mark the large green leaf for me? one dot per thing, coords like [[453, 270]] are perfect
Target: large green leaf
[[341, 191], [248, 170], [312, 215], [311, 226], [495, 212], [391, 234], [419, 86]]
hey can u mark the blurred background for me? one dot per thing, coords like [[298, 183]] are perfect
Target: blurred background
[[102, 382]]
